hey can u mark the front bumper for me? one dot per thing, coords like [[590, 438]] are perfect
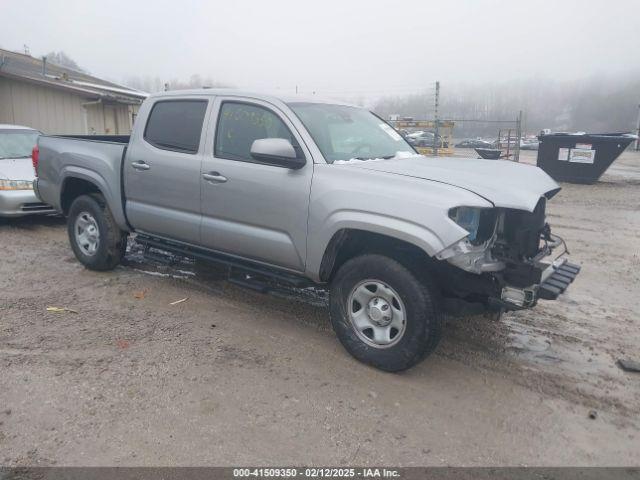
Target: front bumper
[[554, 281], [18, 203]]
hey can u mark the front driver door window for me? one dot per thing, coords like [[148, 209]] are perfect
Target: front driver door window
[[240, 124]]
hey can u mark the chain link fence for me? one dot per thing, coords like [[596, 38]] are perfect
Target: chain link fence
[[471, 138]]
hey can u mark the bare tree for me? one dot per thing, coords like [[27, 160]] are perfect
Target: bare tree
[[596, 104], [64, 60]]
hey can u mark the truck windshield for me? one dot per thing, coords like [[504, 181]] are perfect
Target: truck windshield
[[350, 133], [17, 143]]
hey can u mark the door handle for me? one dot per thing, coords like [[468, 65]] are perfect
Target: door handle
[[214, 177], [140, 165]]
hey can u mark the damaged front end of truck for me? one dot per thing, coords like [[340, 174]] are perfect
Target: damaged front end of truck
[[508, 261]]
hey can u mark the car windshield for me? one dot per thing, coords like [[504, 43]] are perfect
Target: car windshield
[[17, 143], [350, 133]]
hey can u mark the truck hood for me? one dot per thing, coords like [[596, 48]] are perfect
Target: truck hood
[[504, 183], [16, 169]]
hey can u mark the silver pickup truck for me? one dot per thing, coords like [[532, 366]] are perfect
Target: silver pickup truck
[[313, 194]]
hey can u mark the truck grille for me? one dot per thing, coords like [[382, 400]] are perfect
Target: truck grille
[[522, 229]]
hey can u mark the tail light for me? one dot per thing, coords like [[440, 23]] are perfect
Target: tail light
[[35, 157]]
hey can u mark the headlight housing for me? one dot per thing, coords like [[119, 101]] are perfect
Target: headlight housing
[[467, 218], [479, 222], [473, 252], [16, 184]]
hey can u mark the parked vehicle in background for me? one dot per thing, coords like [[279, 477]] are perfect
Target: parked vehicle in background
[[529, 144], [507, 142], [415, 134], [404, 133], [17, 197], [473, 143], [426, 139], [313, 194]]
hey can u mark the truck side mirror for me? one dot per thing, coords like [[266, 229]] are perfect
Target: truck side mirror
[[277, 151]]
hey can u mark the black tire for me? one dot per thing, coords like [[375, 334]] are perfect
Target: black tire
[[112, 241], [423, 319]]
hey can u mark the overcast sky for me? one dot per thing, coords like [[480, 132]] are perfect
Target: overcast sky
[[333, 47]]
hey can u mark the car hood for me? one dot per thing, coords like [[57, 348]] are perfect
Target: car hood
[[16, 169], [504, 183]]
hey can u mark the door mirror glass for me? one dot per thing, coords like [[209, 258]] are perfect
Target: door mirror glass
[[276, 151]]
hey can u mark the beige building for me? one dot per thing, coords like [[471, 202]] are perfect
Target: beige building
[[59, 100]]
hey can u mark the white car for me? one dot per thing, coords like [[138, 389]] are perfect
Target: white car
[[17, 197]]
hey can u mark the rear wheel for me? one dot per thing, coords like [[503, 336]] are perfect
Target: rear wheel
[[95, 238], [383, 313]]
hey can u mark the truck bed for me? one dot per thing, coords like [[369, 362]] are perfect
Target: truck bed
[[67, 160], [98, 138]]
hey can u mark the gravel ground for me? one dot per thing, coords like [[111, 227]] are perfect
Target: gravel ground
[[232, 377]]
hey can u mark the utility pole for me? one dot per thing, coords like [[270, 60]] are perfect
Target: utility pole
[[519, 137], [638, 130], [437, 120]]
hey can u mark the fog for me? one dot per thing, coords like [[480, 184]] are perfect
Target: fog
[[370, 52], [331, 47]]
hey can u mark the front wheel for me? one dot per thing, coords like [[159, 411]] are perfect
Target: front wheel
[[383, 313], [95, 238]]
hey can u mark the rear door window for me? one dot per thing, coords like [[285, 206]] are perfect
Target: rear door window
[[239, 124], [176, 125]]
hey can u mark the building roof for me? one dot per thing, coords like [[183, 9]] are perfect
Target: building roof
[[25, 67]]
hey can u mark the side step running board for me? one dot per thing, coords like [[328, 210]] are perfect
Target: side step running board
[[558, 281], [220, 258], [250, 283]]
